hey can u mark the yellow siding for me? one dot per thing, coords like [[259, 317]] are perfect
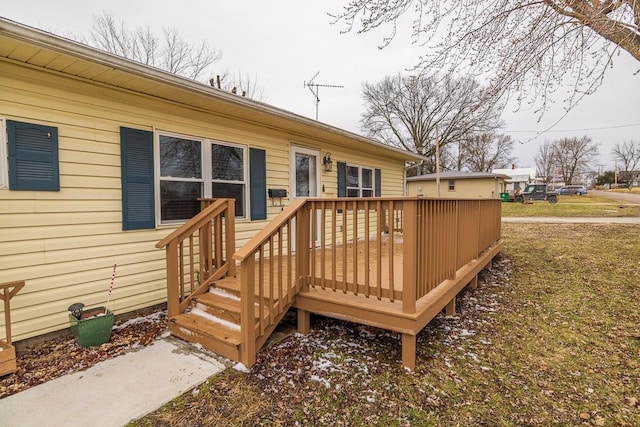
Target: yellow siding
[[477, 188], [64, 244]]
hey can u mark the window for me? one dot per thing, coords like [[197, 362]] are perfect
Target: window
[[191, 168], [452, 185], [228, 174], [32, 157], [359, 181]]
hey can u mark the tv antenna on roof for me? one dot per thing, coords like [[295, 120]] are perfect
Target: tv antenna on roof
[[315, 89]]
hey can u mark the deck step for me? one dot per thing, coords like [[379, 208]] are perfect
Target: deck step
[[229, 284], [222, 306], [216, 337]]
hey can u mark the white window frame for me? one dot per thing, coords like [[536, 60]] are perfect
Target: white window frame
[[360, 188], [206, 181], [4, 160]]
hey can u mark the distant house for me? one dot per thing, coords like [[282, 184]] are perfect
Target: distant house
[[102, 157], [518, 178], [458, 185]]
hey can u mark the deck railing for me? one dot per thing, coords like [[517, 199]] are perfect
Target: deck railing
[[199, 252], [350, 245], [270, 275]]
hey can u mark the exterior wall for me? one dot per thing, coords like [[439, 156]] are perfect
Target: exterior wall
[[477, 188], [64, 244]]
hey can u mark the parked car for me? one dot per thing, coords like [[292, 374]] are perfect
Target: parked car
[[537, 192], [578, 190]]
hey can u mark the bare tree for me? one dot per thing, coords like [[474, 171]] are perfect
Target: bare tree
[[407, 111], [628, 154], [574, 156], [171, 52], [530, 47], [487, 151], [545, 161]]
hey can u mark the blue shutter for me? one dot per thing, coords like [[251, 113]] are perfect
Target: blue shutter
[[138, 207], [342, 179], [33, 157], [258, 183], [378, 189]]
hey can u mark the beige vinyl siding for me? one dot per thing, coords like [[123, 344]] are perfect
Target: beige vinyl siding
[[476, 188], [64, 244]]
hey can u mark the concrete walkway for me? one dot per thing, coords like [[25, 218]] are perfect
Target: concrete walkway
[[572, 220], [115, 391]]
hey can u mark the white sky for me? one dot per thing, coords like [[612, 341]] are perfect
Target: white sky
[[285, 42]]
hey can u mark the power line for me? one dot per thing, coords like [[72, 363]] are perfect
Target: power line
[[571, 130]]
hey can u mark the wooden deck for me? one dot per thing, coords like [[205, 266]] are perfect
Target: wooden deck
[[353, 268]]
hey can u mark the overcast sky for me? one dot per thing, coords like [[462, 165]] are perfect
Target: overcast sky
[[285, 42]]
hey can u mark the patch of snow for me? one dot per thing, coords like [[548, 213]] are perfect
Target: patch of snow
[[223, 293], [198, 312], [371, 399], [473, 357], [240, 367], [467, 333], [165, 334], [137, 320], [486, 368], [321, 380]]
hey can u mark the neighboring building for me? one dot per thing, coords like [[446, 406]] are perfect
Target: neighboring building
[[458, 185], [102, 157], [518, 178]]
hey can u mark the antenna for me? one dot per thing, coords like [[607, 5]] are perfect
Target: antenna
[[315, 90]]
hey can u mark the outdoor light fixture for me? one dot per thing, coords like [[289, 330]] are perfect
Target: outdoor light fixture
[[327, 162]]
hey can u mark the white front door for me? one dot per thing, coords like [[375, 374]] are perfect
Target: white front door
[[305, 177]]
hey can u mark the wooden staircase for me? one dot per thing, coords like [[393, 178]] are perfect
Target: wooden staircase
[[213, 319]]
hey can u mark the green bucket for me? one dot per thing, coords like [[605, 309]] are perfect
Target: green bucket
[[504, 197], [93, 328]]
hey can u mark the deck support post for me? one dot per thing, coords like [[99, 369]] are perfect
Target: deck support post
[[304, 321], [409, 351], [473, 284], [450, 308]]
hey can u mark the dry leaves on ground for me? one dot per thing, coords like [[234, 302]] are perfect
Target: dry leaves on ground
[[51, 359]]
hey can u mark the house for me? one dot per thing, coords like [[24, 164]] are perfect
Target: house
[[105, 161], [102, 157], [518, 178], [458, 185]]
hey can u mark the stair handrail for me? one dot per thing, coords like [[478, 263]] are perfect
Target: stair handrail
[[269, 230], [246, 256], [177, 298], [189, 227]]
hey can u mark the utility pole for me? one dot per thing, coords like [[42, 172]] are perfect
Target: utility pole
[[315, 90]]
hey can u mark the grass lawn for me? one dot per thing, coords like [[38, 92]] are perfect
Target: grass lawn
[[551, 336], [572, 206]]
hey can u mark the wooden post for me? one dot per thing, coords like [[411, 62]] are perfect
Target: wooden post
[[304, 321], [173, 299], [473, 284], [409, 351], [450, 309], [6, 294], [230, 235], [247, 319], [409, 250], [303, 236]]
